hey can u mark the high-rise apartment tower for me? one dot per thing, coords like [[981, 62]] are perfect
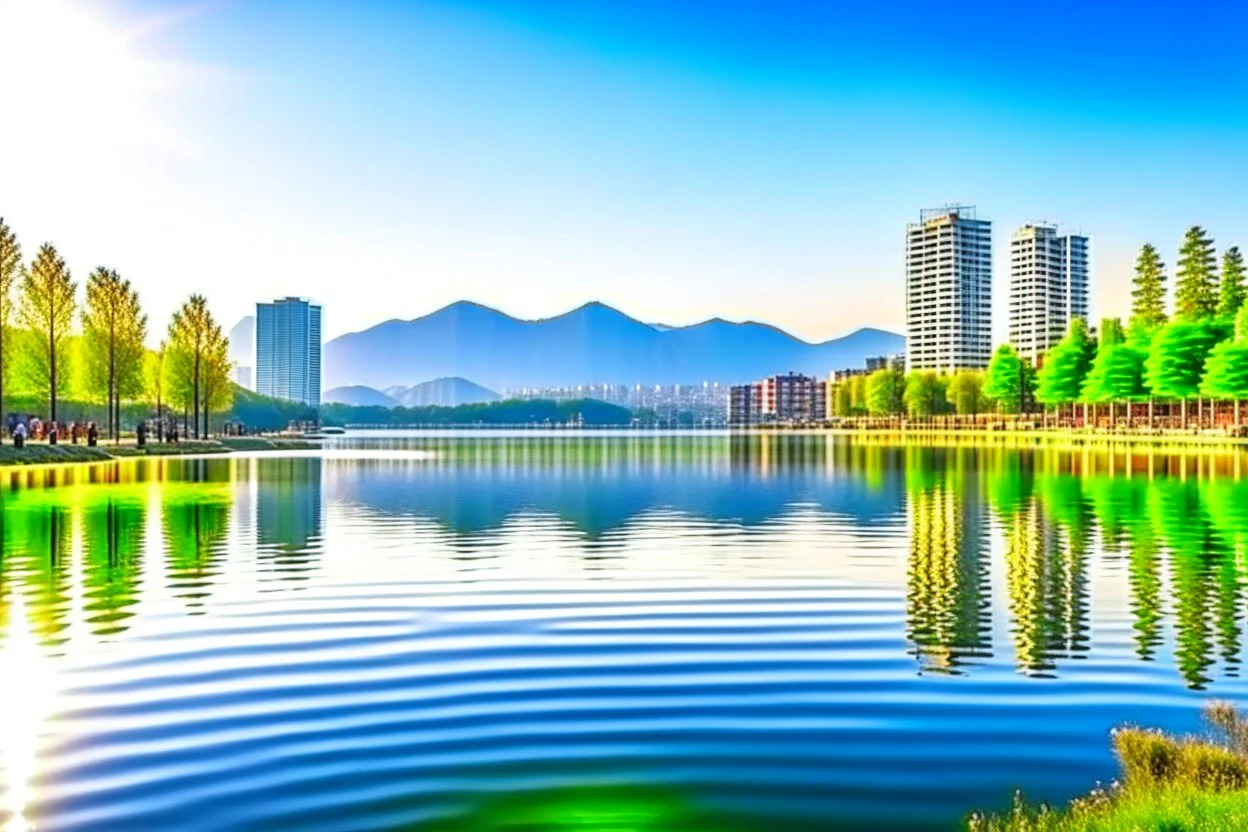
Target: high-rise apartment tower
[[1048, 287], [948, 290], [288, 350]]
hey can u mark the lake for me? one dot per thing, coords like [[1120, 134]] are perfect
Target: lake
[[604, 631]]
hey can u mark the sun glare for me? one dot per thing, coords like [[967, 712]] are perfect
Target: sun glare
[[72, 79], [27, 702]]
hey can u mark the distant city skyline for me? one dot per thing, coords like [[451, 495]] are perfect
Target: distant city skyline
[[677, 161]]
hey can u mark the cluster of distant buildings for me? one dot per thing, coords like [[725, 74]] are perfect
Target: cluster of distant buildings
[[949, 284], [703, 403], [278, 352]]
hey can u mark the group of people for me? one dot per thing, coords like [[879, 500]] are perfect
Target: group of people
[[35, 428]]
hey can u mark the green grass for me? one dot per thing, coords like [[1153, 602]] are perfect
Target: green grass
[[39, 454], [260, 443], [1169, 784]]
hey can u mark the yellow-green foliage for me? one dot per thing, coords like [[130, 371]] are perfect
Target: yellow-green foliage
[[1168, 783]]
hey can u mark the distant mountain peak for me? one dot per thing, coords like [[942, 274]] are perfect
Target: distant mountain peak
[[593, 343]]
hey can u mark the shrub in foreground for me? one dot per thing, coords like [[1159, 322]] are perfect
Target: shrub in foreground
[[1168, 783]]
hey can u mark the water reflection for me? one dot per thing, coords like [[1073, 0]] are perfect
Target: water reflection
[[721, 611]]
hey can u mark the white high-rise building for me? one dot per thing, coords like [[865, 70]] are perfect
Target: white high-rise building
[[1048, 287], [948, 290]]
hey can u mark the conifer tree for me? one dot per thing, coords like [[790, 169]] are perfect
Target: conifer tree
[[1148, 293], [1196, 279], [1231, 296]]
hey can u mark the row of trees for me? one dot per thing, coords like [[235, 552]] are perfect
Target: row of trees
[[43, 329], [1199, 352]]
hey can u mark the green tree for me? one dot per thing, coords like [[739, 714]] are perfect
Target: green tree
[[195, 340], [114, 328], [966, 392], [925, 393], [858, 395], [1148, 293], [1196, 279], [884, 391], [1066, 367], [1231, 297], [218, 391], [156, 369], [47, 310], [842, 399], [1117, 373], [1010, 381], [10, 268], [1175, 364], [1226, 370]]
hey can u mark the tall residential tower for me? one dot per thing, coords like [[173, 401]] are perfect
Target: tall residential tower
[[288, 350], [1048, 287], [948, 290]]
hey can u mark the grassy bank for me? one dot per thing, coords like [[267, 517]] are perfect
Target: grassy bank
[[34, 454], [1168, 783]]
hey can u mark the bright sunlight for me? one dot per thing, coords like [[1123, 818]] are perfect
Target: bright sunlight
[[74, 82]]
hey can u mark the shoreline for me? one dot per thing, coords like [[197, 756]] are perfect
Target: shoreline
[[1038, 436], [39, 454]]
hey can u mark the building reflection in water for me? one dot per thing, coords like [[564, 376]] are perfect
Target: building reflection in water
[[289, 522], [948, 594]]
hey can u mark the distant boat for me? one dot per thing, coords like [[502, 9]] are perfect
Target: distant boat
[[333, 431]]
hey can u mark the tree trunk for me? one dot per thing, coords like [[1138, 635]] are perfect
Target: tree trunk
[[195, 392], [1183, 414], [1150, 412], [1236, 414], [2, 328]]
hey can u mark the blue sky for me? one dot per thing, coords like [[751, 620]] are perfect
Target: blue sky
[[679, 160]]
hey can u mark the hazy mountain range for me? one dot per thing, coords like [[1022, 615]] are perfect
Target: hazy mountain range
[[442, 392], [591, 344]]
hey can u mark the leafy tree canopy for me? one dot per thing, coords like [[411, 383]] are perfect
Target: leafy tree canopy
[[1066, 366], [1010, 380], [1176, 362]]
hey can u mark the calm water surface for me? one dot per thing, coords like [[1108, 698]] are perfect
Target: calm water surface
[[616, 632]]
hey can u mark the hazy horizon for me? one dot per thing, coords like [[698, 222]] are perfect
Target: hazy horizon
[[677, 162]]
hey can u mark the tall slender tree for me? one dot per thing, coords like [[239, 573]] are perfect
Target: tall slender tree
[[114, 328], [157, 368], [1231, 295], [1148, 292], [1196, 279], [197, 350], [47, 310], [10, 269]]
